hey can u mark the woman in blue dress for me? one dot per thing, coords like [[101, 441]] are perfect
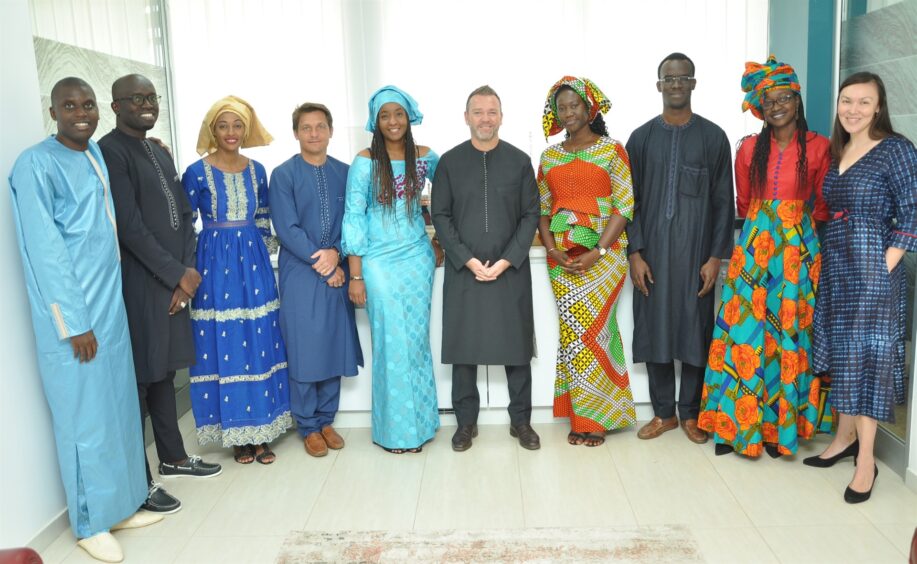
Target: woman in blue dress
[[391, 270], [239, 387], [871, 192]]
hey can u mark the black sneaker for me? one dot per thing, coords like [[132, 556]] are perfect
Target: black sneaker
[[159, 501], [194, 467]]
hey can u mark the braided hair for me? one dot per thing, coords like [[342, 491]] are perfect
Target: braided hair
[[383, 179], [761, 153]]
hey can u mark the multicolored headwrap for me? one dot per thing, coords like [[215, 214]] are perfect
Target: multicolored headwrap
[[588, 91], [758, 79], [255, 133], [388, 94]]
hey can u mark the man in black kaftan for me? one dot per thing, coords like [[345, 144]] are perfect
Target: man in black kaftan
[[683, 226], [485, 210]]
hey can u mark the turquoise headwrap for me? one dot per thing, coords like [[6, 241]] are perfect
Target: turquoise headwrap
[[759, 78], [388, 94]]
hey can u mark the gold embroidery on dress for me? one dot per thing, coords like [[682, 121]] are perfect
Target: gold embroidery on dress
[[240, 377]]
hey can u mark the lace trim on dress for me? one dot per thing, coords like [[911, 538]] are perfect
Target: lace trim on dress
[[248, 435]]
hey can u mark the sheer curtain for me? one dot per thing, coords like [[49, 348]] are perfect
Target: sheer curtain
[[277, 54]]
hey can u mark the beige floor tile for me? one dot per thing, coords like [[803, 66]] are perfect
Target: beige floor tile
[[368, 488], [835, 544], [572, 486], [475, 489], [230, 550], [899, 535], [137, 550], [60, 549], [728, 545], [266, 500], [891, 501], [777, 492], [669, 480]]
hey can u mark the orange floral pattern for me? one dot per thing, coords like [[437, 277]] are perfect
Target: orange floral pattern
[[789, 366], [791, 264], [736, 263], [732, 310], [815, 271], [769, 433], [747, 411], [787, 314], [707, 420], [717, 354], [745, 360], [764, 248], [790, 211], [759, 302], [725, 427]]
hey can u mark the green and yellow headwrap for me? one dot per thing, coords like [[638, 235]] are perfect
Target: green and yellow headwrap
[[759, 78], [588, 91]]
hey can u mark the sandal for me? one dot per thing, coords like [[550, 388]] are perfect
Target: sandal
[[244, 454], [414, 450], [593, 439], [266, 456], [575, 438], [393, 450]]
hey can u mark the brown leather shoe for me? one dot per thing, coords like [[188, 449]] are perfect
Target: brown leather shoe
[[695, 435], [658, 426], [527, 436], [461, 440], [315, 444], [332, 439]]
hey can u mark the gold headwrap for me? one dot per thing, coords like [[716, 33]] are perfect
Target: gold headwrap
[[255, 133]]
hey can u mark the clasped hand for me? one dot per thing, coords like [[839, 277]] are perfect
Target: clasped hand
[[326, 260], [486, 272]]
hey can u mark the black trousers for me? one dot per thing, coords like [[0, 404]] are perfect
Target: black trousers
[[662, 389], [467, 402], [158, 400]]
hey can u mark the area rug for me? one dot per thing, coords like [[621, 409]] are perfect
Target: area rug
[[640, 545]]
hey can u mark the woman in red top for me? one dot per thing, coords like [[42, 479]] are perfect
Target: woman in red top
[[759, 390]]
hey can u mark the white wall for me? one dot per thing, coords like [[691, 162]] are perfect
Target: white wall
[[30, 484]]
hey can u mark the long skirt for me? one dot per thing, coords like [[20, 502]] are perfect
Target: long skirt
[[592, 387], [758, 387]]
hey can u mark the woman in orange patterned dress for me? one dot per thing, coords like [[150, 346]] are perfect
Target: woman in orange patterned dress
[[586, 201], [759, 392]]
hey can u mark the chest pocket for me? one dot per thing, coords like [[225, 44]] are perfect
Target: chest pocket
[[693, 181]]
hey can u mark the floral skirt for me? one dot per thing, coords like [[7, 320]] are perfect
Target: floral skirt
[[758, 387]]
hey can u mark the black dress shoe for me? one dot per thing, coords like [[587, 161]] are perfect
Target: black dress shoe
[[528, 438], [722, 448], [819, 462], [461, 440], [773, 451], [159, 501], [853, 496]]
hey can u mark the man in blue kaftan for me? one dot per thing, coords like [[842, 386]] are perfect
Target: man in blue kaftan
[[67, 236], [316, 317]]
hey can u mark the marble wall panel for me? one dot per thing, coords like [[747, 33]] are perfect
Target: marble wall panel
[[880, 35], [57, 60]]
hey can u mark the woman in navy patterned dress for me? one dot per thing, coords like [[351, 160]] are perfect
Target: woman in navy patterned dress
[[239, 387], [871, 191]]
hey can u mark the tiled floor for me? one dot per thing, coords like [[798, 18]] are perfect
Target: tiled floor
[[738, 510]]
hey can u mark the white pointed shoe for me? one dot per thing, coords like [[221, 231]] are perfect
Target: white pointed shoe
[[103, 546], [137, 520]]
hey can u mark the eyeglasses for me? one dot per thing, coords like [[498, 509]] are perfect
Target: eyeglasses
[[137, 99], [672, 80], [781, 100]]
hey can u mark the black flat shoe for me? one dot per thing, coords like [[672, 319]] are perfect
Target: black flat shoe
[[773, 451], [819, 462], [722, 448], [853, 496]]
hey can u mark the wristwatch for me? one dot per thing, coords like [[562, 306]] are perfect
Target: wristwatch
[[602, 250], [356, 277]]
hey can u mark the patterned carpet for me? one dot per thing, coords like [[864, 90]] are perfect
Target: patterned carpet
[[654, 544]]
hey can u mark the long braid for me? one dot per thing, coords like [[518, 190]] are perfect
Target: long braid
[[802, 164], [757, 172], [383, 179]]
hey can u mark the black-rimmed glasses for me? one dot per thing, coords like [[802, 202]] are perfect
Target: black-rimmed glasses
[[138, 99], [672, 80], [782, 100]]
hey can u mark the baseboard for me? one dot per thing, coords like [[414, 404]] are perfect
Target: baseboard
[[49, 533], [910, 478]]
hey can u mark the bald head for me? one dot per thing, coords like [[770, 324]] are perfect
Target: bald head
[[126, 85], [66, 84]]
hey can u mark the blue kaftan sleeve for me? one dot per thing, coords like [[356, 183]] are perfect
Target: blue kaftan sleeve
[[293, 237], [263, 213], [193, 191], [902, 178], [45, 257], [354, 239]]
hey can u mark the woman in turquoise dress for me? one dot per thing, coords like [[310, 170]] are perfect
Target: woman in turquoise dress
[[391, 263], [239, 388]]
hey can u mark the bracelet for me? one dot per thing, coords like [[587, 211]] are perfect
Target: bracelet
[[358, 278], [552, 249]]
